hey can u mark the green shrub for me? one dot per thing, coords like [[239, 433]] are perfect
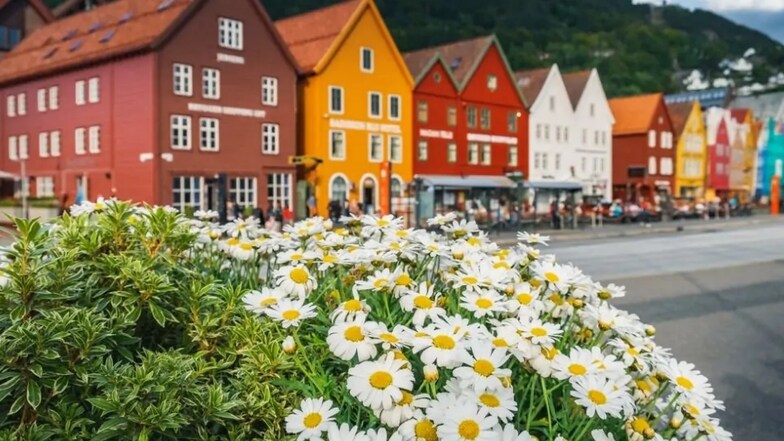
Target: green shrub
[[109, 330]]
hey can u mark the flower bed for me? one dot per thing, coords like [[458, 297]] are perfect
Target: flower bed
[[364, 332]]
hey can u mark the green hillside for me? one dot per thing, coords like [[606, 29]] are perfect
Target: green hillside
[[636, 49]]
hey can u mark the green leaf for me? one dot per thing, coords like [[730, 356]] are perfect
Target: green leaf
[[157, 314], [37, 370], [113, 425], [102, 403], [17, 405], [7, 387], [33, 394]]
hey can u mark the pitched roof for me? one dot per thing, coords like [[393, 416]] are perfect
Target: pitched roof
[[418, 62], [69, 42], [633, 114], [39, 7], [575, 83], [530, 82], [460, 56], [309, 36], [739, 114], [679, 115]]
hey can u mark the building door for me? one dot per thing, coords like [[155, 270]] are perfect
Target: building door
[[369, 196], [211, 194]]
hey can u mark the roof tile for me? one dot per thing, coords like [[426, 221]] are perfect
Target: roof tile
[[633, 114], [530, 82], [310, 35], [459, 56]]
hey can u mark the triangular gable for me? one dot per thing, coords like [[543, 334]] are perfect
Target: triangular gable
[[493, 42], [426, 68], [531, 82], [635, 114], [595, 79]]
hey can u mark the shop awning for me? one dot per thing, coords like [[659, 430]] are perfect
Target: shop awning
[[469, 181], [554, 185], [6, 175]]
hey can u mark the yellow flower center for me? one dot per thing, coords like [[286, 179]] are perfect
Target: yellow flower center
[[470, 280], [468, 429], [633, 351], [407, 399], [577, 369], [353, 305], [643, 385], [425, 430], [538, 331], [501, 265], [597, 397], [640, 425], [423, 302], [684, 383], [299, 276], [291, 315], [444, 342], [232, 242], [403, 280], [380, 379], [380, 283], [354, 334], [483, 303], [268, 301], [489, 400], [329, 258], [246, 246], [500, 343], [312, 420], [389, 337], [382, 223], [296, 256], [401, 233], [484, 367], [558, 300], [552, 277], [474, 242], [524, 298], [549, 353], [691, 409]]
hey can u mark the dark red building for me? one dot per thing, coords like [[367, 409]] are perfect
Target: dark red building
[[719, 153], [470, 125], [643, 149], [151, 101]]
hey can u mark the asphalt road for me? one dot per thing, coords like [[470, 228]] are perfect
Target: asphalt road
[[717, 299]]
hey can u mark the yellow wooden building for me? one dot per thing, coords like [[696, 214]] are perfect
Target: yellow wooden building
[[691, 149], [354, 104], [744, 161]]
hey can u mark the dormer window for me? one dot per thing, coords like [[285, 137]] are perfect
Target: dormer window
[[366, 59], [492, 83], [230, 33], [552, 103]]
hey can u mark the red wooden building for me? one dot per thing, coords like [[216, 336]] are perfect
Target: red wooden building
[[152, 100], [643, 149], [470, 125], [719, 153]]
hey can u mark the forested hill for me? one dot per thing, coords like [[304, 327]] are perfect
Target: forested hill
[[635, 47]]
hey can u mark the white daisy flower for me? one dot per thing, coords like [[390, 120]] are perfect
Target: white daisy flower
[[379, 281], [688, 380], [348, 339], [599, 396], [381, 435], [403, 409], [499, 403], [439, 345], [380, 384], [442, 219], [467, 422], [423, 303], [539, 332], [296, 280], [312, 419], [291, 312], [599, 435], [394, 339], [418, 428], [349, 310], [344, 432], [511, 434], [483, 302], [482, 370], [579, 363], [258, 301], [532, 238]]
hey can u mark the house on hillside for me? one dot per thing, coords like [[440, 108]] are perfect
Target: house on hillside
[[718, 129], [115, 102], [20, 18], [715, 97], [690, 149], [643, 149], [470, 127], [593, 128], [354, 106]]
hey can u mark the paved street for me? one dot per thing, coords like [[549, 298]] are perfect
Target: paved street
[[717, 299]]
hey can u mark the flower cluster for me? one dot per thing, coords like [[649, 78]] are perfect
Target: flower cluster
[[409, 335]]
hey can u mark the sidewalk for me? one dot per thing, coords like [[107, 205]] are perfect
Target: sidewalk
[[506, 238]]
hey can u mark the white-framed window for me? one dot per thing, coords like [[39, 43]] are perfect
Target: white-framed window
[[511, 122], [244, 191], [604, 137], [180, 132], [486, 154], [663, 141], [422, 150], [54, 98], [182, 75], [23, 152], [451, 116], [595, 137], [451, 152], [422, 111], [394, 107], [41, 100], [547, 132], [651, 138], [13, 148], [484, 118], [585, 136], [666, 166], [566, 134], [279, 190], [43, 145], [338, 189], [592, 110], [337, 144], [95, 139], [652, 165], [210, 83], [473, 153], [512, 156], [80, 140], [269, 91], [557, 161], [552, 102], [209, 134], [335, 99], [537, 161], [44, 186], [538, 131], [10, 105], [395, 148], [545, 161], [366, 59], [602, 165], [186, 192], [94, 90], [396, 187], [374, 105], [21, 104], [80, 88], [375, 147], [270, 139], [492, 82], [230, 33], [558, 133], [54, 143], [471, 116]]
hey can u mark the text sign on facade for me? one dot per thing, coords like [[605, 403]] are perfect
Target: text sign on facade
[[228, 58], [495, 139], [362, 125], [442, 134], [227, 110]]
